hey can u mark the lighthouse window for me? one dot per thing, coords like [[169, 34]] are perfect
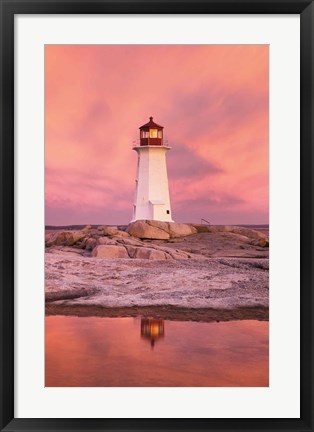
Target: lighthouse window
[[159, 134], [168, 212], [153, 133]]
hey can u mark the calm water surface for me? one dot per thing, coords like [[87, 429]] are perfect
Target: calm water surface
[[102, 352]]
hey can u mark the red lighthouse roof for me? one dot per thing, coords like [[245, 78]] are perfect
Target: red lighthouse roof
[[151, 125]]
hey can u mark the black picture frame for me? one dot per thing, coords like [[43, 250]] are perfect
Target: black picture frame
[[8, 9]]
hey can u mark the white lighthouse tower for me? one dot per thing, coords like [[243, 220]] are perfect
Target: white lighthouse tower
[[151, 201]]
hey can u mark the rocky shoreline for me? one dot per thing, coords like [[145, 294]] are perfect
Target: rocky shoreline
[[172, 271], [162, 312]]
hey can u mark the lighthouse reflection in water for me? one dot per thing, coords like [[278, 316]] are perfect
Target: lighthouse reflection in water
[[185, 354], [152, 330]]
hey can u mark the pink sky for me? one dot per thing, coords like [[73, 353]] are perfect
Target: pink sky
[[212, 101]]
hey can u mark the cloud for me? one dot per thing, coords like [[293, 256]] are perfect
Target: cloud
[[185, 163]]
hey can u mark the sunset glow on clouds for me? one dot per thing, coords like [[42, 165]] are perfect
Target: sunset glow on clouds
[[212, 101]]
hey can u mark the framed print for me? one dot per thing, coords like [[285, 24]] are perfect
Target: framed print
[[156, 248]]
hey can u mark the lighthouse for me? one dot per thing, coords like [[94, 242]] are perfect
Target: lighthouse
[[151, 200]]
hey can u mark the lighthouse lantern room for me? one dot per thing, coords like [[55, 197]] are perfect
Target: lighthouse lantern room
[[151, 134], [151, 201]]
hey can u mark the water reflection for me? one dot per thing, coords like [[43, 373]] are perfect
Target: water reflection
[[116, 352], [152, 329]]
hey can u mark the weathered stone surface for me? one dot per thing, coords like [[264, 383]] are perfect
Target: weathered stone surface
[[210, 283], [231, 236], [131, 251], [90, 243], [148, 229], [178, 255], [262, 242], [148, 253], [250, 233], [247, 232], [156, 252], [158, 224], [106, 241], [110, 251], [55, 238], [171, 253], [120, 233], [77, 236], [181, 230], [219, 244], [110, 230], [142, 229], [63, 238], [87, 228], [222, 242], [65, 250], [215, 228], [201, 228], [130, 241]]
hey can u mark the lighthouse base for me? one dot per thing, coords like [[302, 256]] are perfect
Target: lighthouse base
[[157, 220], [155, 210]]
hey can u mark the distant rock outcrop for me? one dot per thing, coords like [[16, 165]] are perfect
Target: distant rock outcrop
[[65, 238], [247, 232]]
